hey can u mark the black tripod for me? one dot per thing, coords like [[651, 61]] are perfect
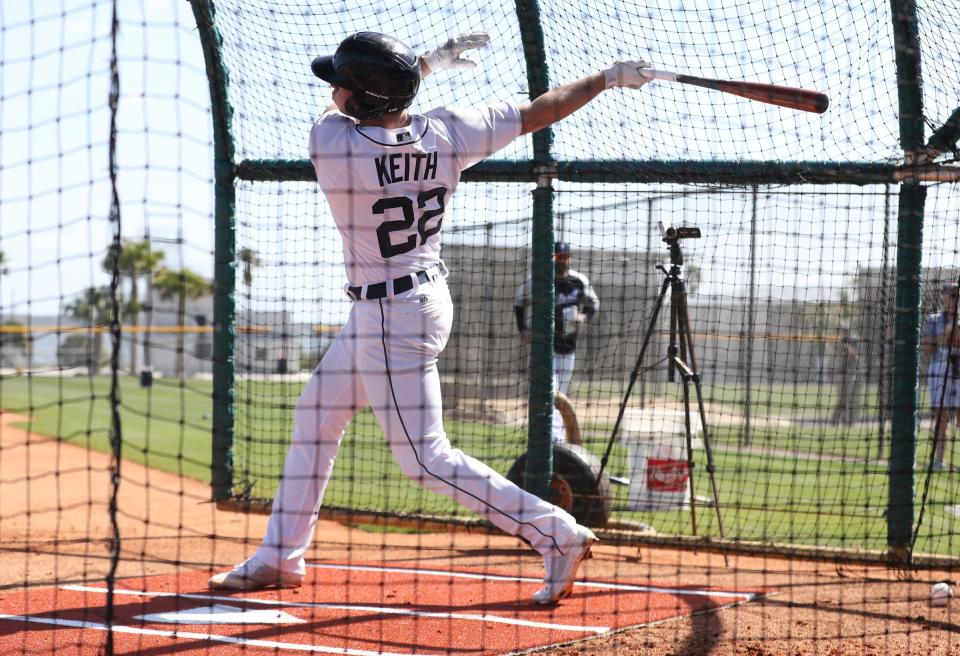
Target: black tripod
[[679, 357]]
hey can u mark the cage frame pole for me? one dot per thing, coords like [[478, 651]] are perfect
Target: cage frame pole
[[906, 356], [224, 308], [538, 475]]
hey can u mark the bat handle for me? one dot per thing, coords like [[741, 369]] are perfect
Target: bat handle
[[662, 75]]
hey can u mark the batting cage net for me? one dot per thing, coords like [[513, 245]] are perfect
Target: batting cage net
[[712, 323]]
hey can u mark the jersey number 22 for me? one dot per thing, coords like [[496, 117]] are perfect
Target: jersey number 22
[[424, 231]]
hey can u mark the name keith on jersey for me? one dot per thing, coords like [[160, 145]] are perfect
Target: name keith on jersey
[[400, 167]]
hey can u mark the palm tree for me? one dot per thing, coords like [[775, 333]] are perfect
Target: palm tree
[[136, 259], [4, 270], [93, 306], [249, 258], [182, 285]]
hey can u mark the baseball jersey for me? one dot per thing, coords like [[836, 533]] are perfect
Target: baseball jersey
[[388, 188], [934, 326], [572, 291]]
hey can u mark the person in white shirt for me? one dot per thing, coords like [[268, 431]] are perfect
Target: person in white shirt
[[388, 175], [942, 344]]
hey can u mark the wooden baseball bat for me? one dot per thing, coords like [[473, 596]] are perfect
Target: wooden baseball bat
[[802, 99]]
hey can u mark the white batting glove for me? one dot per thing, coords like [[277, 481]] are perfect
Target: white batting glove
[[631, 74], [448, 55]]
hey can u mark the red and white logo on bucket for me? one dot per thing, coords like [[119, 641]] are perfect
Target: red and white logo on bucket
[[667, 475]]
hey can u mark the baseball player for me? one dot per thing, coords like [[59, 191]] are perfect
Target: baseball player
[[943, 372], [388, 175], [575, 303]]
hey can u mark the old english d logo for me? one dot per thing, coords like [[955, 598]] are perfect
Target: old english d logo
[[667, 475]]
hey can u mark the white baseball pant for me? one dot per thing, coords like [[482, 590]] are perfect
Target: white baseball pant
[[563, 370], [562, 373], [386, 357]]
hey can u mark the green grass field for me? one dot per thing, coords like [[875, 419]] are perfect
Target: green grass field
[[806, 483]]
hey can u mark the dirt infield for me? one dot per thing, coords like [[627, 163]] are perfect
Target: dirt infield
[[349, 608], [55, 529]]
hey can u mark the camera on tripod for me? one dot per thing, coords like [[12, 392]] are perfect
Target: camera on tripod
[[673, 233], [680, 358]]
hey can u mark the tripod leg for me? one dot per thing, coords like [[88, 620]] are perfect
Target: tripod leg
[[678, 295], [687, 338], [672, 347], [651, 326], [689, 441], [683, 319]]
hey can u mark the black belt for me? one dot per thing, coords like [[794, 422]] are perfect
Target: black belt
[[402, 284]]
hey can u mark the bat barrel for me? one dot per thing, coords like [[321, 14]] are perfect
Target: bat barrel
[[774, 94]]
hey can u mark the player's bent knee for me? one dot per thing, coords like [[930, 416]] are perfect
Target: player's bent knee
[[433, 467]]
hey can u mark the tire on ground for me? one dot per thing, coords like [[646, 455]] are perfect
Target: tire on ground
[[574, 484]]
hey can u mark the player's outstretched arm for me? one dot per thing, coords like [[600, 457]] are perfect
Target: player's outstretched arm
[[561, 102], [449, 54]]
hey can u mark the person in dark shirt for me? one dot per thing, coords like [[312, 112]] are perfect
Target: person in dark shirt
[[575, 304]]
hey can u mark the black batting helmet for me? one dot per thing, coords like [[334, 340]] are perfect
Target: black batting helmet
[[382, 72]]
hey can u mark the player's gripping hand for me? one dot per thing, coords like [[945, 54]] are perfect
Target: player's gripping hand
[[448, 55], [924, 155], [633, 74]]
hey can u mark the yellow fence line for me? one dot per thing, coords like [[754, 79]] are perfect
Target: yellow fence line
[[757, 337], [322, 329], [772, 337]]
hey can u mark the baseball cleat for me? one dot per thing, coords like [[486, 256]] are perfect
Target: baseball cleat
[[253, 574], [562, 570]]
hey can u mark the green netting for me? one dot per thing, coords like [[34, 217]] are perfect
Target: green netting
[[137, 391], [792, 289]]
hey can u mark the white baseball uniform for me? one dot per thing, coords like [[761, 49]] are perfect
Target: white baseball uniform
[[387, 190], [942, 391]]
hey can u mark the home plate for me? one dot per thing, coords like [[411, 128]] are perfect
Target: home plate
[[222, 614]]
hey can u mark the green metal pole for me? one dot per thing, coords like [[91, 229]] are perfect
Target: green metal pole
[[224, 333], [906, 362], [539, 467], [620, 170], [906, 355]]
